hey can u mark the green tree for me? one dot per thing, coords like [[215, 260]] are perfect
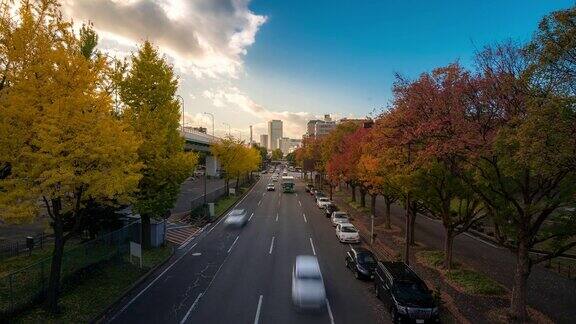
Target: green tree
[[65, 147], [277, 155], [148, 91]]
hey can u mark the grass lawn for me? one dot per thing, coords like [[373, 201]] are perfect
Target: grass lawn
[[95, 290], [469, 281]]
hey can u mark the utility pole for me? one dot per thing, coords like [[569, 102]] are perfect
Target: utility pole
[[227, 125], [250, 135]]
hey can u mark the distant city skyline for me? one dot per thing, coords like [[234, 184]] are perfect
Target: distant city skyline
[[248, 62]]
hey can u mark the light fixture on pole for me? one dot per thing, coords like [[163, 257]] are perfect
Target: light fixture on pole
[[211, 116]]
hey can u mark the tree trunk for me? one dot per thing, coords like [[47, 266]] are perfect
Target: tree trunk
[[146, 239], [238, 184], [362, 197], [331, 188], [518, 298], [448, 243], [56, 263], [353, 193], [227, 185], [387, 213]]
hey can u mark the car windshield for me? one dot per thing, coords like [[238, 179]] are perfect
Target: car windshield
[[366, 258], [340, 215], [408, 290], [323, 199], [348, 229]]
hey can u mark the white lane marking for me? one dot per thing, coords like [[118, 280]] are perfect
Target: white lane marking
[[312, 244], [150, 284], [305, 220], [231, 246], [330, 312], [191, 308], [299, 203], [483, 241], [276, 216], [249, 219], [257, 317], [271, 245], [259, 202]]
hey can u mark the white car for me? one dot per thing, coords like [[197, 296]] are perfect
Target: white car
[[323, 202], [339, 217], [275, 178], [308, 290], [347, 233], [236, 218]]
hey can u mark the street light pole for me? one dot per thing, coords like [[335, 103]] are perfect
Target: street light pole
[[212, 117], [227, 125], [182, 103]]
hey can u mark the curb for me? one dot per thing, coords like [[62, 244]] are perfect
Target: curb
[[101, 316]]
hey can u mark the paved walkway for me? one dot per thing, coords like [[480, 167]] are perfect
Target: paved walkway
[[549, 292]]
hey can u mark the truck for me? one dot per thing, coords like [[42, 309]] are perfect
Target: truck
[[288, 184]]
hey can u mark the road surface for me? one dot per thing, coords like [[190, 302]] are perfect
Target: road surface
[[244, 275]]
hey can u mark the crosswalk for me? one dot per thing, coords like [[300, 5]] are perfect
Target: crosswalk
[[178, 235]]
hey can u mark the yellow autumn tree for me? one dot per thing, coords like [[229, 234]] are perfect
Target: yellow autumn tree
[[235, 158], [57, 132]]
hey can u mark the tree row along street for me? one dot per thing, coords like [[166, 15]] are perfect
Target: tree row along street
[[226, 276]]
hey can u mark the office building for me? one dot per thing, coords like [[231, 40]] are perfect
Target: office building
[[274, 133], [320, 128], [264, 141]]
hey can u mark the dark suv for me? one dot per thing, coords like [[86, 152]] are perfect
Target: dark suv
[[405, 295], [362, 262]]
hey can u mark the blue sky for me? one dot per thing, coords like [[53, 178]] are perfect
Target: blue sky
[[250, 61]]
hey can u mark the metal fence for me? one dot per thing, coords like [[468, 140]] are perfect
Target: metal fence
[[11, 249], [27, 285]]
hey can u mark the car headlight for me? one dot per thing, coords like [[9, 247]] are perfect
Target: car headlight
[[402, 309]]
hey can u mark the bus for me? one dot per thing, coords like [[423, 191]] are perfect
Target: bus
[[288, 184]]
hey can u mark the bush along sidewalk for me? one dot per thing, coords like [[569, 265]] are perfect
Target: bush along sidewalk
[[468, 296], [96, 288]]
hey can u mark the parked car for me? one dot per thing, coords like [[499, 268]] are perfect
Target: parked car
[[307, 284], [319, 194], [270, 187], [329, 209], [405, 295], [347, 233], [339, 217], [322, 201], [362, 262], [236, 218], [309, 187], [275, 178]]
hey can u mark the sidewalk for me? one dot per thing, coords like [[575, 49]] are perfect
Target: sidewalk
[[548, 292]]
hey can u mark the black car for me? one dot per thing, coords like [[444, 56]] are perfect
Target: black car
[[405, 295], [362, 262], [329, 209]]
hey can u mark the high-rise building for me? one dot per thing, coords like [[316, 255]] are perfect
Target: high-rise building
[[274, 133], [320, 128], [264, 141], [288, 145]]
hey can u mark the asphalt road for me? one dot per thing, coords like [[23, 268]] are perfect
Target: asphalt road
[[244, 275]]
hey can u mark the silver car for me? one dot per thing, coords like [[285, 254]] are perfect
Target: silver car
[[339, 217], [308, 291], [236, 218]]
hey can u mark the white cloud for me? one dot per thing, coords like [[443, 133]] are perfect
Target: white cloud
[[294, 123], [207, 38]]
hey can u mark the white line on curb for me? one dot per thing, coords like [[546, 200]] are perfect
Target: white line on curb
[[191, 308]]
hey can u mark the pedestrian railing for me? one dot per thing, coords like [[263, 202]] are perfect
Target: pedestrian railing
[[10, 249], [28, 285]]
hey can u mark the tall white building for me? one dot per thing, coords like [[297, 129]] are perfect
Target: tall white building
[[321, 128], [274, 133]]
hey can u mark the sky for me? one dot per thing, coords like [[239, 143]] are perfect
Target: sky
[[247, 62]]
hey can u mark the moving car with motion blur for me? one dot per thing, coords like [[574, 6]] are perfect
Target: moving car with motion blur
[[236, 218], [405, 295], [339, 217], [347, 233], [361, 262], [308, 291]]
